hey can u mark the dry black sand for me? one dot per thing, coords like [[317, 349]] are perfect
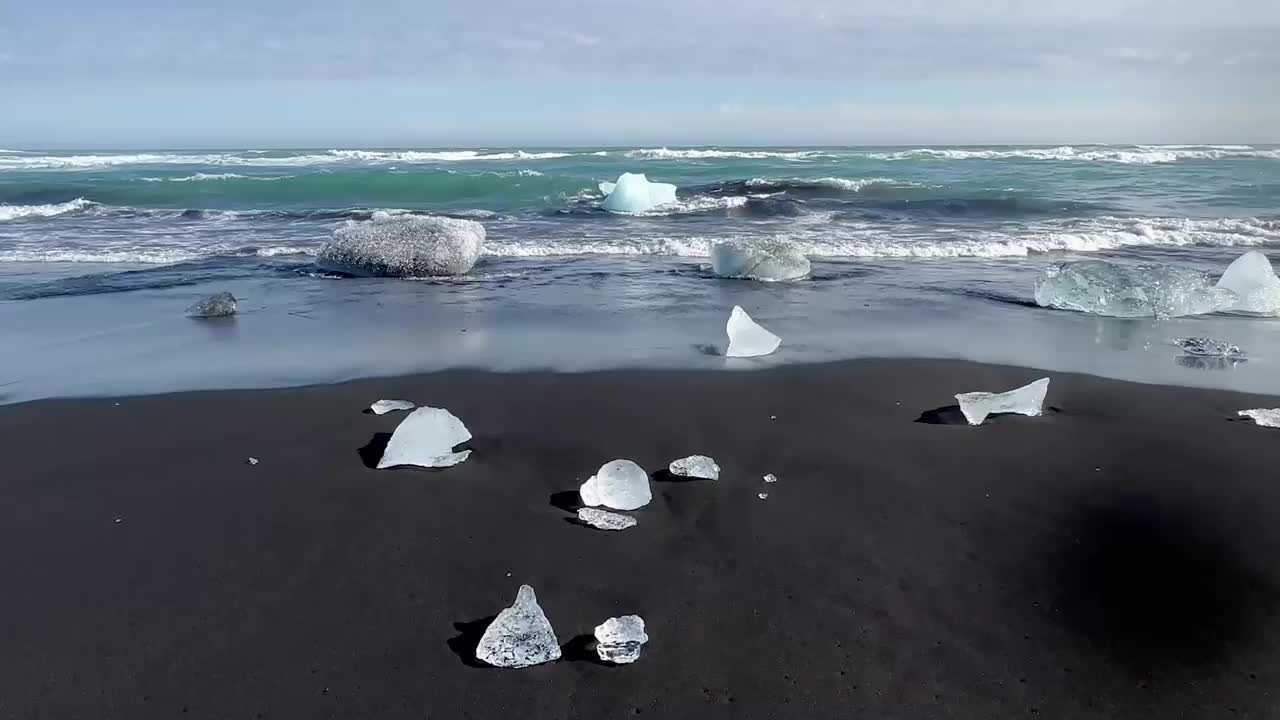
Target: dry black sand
[[1117, 558]]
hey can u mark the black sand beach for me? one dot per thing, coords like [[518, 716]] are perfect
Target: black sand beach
[[1117, 558]]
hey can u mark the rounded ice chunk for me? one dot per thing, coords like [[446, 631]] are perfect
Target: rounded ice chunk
[[404, 246], [746, 338], [621, 485], [695, 466], [221, 304], [618, 640], [605, 520], [520, 636], [426, 437], [382, 407], [1026, 400], [1148, 290], [633, 193], [1254, 283], [768, 260]]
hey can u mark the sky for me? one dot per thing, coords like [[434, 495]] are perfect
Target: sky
[[382, 73]]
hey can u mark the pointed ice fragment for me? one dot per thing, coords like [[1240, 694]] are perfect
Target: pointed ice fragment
[[621, 485], [426, 438], [695, 466], [520, 636], [382, 407], [1265, 418], [605, 520], [746, 338], [1026, 400], [1254, 282], [222, 304], [618, 640]]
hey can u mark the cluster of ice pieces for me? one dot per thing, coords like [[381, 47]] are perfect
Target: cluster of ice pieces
[[746, 338], [426, 438], [1254, 283], [633, 193], [605, 520], [382, 407], [404, 246], [767, 260], [1263, 417], [1209, 347], [695, 466], [1026, 400], [520, 635], [221, 304], [620, 484], [618, 640]]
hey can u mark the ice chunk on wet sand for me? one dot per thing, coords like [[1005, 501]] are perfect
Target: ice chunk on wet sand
[[1149, 290], [620, 484], [426, 438], [1263, 417], [1254, 283], [605, 520], [633, 193], [1208, 347], [695, 466], [221, 304], [520, 636], [404, 246], [618, 640], [382, 407], [768, 260], [746, 338], [1026, 400]]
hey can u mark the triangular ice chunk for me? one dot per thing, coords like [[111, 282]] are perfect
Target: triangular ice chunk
[[426, 438], [695, 466], [618, 640], [746, 338], [621, 485], [382, 407], [1026, 400], [520, 636], [1254, 282], [1265, 418]]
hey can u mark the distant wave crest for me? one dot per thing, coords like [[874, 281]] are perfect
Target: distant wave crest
[[1135, 155], [14, 212]]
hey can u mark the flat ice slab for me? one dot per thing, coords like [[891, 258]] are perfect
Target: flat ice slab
[[605, 520], [1119, 290], [746, 338], [695, 466], [1026, 400], [382, 407], [426, 438]]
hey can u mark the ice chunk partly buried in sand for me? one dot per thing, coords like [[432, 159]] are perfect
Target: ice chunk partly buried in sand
[[621, 485], [1254, 282], [1149, 290], [382, 407], [605, 520], [520, 636], [1209, 347], [633, 193], [695, 466], [221, 304], [408, 246], [1265, 418], [426, 438], [768, 260], [618, 640], [746, 338], [1026, 400]]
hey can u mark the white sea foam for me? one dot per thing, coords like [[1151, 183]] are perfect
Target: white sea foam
[[1135, 155], [251, 159], [13, 212], [713, 153], [835, 183], [217, 176]]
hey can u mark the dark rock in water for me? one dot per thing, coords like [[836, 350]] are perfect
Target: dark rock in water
[[404, 246], [222, 304]]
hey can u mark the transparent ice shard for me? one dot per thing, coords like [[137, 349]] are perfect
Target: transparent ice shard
[[426, 437], [771, 478], [746, 338], [520, 636], [620, 484], [695, 466], [1263, 417], [605, 520], [1026, 400], [221, 304], [768, 260], [633, 193], [1209, 347], [1254, 282], [404, 246], [1149, 290], [382, 407], [618, 640]]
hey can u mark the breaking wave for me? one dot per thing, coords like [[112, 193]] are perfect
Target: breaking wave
[[13, 212], [1135, 155], [712, 153]]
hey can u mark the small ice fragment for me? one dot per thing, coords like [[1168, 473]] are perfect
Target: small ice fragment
[[605, 520], [746, 338], [633, 193], [618, 640], [1265, 418], [1254, 282], [1150, 290], [119, 520], [695, 466], [1026, 400], [762, 495], [426, 438], [620, 484], [520, 636], [767, 260], [1208, 347], [221, 304], [771, 478], [773, 417], [382, 407], [253, 461]]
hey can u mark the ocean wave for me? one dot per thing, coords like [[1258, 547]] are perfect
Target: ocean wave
[[712, 153], [1138, 155], [851, 185], [198, 177], [13, 212], [257, 159]]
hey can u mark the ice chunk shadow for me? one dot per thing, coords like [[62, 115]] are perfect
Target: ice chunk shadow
[[665, 476], [568, 501], [582, 648], [371, 453], [951, 415], [468, 638]]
